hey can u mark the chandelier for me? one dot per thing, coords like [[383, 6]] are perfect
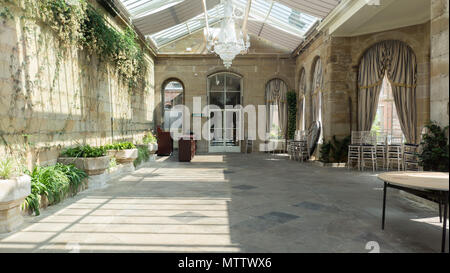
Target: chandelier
[[227, 41]]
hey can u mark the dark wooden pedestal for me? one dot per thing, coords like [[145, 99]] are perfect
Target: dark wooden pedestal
[[186, 149]]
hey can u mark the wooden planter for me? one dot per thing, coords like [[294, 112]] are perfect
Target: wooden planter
[[91, 165], [12, 194], [124, 156]]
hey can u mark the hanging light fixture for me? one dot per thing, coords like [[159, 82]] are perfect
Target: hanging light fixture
[[227, 41]]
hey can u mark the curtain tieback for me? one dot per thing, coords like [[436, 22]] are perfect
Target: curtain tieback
[[402, 84], [371, 85]]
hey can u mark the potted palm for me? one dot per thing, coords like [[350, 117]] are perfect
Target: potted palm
[[92, 160], [123, 152], [14, 188]]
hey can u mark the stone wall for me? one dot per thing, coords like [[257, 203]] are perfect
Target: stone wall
[[340, 60], [439, 62], [52, 99], [256, 68]]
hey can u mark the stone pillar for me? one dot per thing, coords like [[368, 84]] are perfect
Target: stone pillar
[[439, 87]]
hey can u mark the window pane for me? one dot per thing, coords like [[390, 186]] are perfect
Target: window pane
[[233, 98], [217, 83], [233, 83], [217, 98]]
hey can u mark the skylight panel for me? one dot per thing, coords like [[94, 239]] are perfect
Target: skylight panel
[[168, 35]]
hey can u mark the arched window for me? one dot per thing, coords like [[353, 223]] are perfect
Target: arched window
[[172, 95], [388, 66], [316, 93], [302, 101], [276, 108]]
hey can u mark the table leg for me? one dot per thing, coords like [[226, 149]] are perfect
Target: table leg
[[384, 205], [444, 229], [440, 212]]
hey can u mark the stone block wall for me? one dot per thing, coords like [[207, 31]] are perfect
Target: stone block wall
[[439, 62], [340, 61], [193, 73], [51, 98]]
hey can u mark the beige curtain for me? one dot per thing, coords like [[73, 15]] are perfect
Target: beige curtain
[[370, 78], [301, 102], [316, 88], [401, 72], [398, 61], [276, 91]]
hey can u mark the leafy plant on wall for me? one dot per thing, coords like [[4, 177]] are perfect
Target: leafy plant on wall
[[291, 98], [433, 154]]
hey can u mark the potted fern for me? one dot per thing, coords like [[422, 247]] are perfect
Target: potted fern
[[92, 160], [14, 188], [123, 152]]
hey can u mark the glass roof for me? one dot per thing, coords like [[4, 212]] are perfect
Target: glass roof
[[267, 12], [168, 35]]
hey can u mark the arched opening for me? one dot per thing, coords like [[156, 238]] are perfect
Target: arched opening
[[316, 94], [224, 94], [387, 91], [276, 111], [172, 95], [302, 101]]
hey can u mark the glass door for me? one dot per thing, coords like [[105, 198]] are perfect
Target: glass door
[[224, 92]]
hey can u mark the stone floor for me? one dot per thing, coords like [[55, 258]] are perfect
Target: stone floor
[[231, 203]]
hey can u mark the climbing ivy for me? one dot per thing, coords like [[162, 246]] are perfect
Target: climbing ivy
[[82, 26], [291, 98]]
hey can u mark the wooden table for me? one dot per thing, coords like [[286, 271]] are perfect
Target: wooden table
[[432, 186]]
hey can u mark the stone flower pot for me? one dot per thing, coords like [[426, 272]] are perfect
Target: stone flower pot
[[124, 156], [12, 194], [91, 165], [152, 148]]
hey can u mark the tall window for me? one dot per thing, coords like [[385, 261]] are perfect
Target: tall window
[[276, 108], [172, 95], [386, 119], [316, 88], [302, 101]]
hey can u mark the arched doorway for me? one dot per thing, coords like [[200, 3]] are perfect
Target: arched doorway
[[301, 101], [224, 94], [390, 64], [172, 95], [316, 94]]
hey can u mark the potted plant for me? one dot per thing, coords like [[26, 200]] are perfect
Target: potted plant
[[14, 188], [92, 160], [150, 141], [433, 151], [124, 152]]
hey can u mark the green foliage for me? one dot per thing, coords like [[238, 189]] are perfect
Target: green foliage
[[434, 152], [81, 26], [325, 152], [143, 156], [54, 182], [339, 149], [120, 146], [335, 151], [7, 168], [291, 98], [74, 174], [84, 151], [149, 138]]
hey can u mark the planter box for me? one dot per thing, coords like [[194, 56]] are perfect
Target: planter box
[[12, 194], [124, 156], [91, 165]]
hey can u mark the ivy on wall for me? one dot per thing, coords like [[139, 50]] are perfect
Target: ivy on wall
[[291, 98], [82, 26]]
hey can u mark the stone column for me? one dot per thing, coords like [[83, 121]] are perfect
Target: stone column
[[439, 87]]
